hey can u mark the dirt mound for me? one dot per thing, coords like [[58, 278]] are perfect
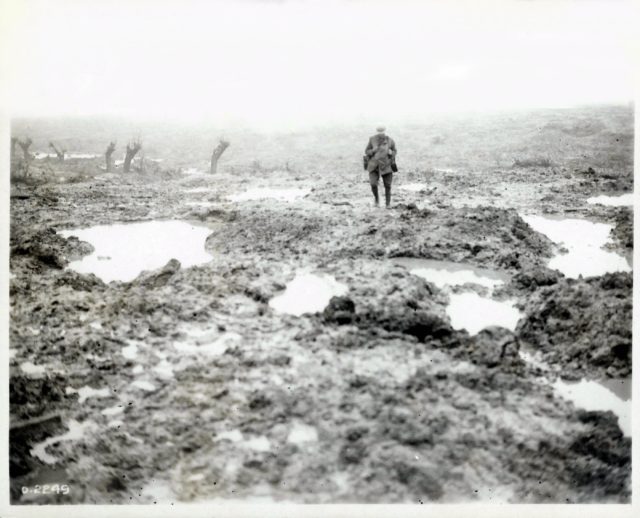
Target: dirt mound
[[595, 464], [485, 236], [623, 231], [32, 397], [536, 278], [159, 277], [583, 325], [45, 248]]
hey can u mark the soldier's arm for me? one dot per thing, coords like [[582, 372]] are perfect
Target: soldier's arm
[[369, 150], [392, 147]]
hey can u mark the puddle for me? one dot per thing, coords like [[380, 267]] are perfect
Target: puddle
[[76, 432], [626, 200], [260, 443], [113, 410], [82, 155], [620, 387], [206, 341], [260, 193], [301, 433], [413, 187], [307, 293], [446, 273], [144, 385], [193, 170], [603, 395], [86, 392], [126, 249], [472, 312], [466, 310], [41, 156], [32, 369], [593, 396], [164, 369], [197, 190], [231, 435], [584, 241], [130, 351]]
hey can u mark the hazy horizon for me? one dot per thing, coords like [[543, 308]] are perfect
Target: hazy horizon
[[291, 64]]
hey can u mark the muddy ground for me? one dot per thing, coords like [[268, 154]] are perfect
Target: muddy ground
[[376, 399]]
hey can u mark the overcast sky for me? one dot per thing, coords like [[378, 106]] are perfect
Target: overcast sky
[[276, 63]]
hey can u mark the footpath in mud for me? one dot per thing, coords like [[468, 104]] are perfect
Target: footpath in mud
[[181, 338]]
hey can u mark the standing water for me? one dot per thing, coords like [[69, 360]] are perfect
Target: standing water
[[467, 310], [584, 241], [414, 187], [626, 200], [472, 312], [447, 273], [75, 433], [594, 396], [123, 250], [307, 293]]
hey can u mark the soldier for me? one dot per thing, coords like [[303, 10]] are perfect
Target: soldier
[[380, 161]]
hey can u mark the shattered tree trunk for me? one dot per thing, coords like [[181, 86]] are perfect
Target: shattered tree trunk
[[14, 141], [59, 152], [131, 152], [217, 153], [108, 154], [24, 145]]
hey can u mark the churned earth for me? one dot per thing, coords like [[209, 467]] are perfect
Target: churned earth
[[188, 384]]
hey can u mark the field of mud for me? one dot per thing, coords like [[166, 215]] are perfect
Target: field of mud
[[205, 383]]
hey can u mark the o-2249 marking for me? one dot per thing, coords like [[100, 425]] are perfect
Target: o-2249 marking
[[46, 489]]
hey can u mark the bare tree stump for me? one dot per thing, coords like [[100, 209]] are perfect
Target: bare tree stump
[[132, 149], [108, 154], [59, 152], [24, 145], [217, 153], [14, 141]]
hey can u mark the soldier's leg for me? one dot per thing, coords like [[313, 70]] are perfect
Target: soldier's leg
[[373, 180], [387, 179]]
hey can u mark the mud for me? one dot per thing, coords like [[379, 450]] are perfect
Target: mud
[[213, 395], [582, 325]]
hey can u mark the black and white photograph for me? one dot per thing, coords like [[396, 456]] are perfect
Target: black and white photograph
[[263, 254]]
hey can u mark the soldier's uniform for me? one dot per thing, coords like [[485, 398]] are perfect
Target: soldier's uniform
[[381, 152]]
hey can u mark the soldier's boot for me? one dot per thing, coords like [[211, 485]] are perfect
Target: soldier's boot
[[387, 196], [374, 190]]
